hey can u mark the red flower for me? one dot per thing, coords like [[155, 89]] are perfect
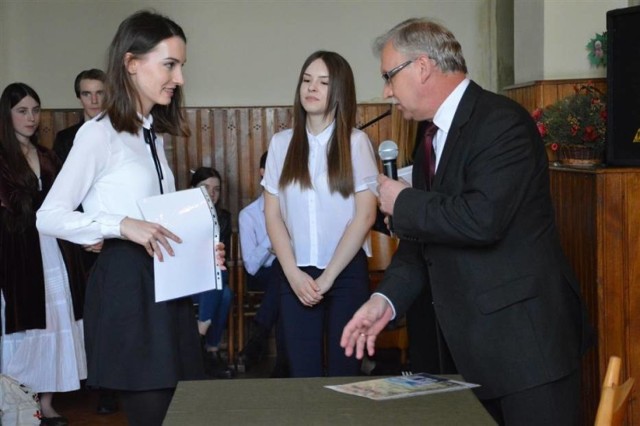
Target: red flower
[[574, 130], [542, 129], [590, 134], [603, 115], [554, 146], [537, 114]]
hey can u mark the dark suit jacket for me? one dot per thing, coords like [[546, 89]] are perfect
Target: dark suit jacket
[[485, 239], [64, 141]]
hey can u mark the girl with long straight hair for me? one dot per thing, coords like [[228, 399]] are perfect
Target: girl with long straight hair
[[319, 212]]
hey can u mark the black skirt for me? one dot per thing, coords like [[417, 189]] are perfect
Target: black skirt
[[132, 342]]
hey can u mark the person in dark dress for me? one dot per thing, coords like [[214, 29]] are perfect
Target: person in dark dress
[[41, 280], [134, 345]]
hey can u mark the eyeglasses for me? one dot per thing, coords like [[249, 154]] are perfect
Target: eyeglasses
[[387, 76]]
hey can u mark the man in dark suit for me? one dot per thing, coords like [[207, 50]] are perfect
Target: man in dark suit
[[482, 235], [89, 88]]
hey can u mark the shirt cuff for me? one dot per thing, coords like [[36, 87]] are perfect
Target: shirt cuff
[[110, 225], [393, 309]]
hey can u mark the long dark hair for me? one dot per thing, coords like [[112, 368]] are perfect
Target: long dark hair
[[342, 103], [14, 168], [204, 173], [139, 34]]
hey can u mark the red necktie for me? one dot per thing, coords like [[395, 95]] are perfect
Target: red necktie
[[430, 154]]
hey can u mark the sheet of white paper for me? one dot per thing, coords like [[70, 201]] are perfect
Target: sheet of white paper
[[190, 215], [403, 173]]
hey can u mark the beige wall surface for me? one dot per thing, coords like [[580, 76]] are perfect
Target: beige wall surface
[[241, 52], [550, 37]]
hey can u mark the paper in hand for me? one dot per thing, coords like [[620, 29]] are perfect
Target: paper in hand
[[191, 215]]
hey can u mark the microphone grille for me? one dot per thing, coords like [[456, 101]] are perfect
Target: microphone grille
[[388, 150]]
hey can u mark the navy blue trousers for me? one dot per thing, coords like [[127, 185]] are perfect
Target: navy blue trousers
[[312, 334]]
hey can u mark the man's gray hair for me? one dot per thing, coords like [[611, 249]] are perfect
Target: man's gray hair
[[421, 36]]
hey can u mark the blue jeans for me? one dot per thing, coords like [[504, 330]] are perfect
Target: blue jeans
[[214, 305]]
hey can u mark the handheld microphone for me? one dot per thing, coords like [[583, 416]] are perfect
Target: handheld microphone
[[388, 153]]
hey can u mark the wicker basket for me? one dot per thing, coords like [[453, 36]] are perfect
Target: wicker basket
[[580, 155]]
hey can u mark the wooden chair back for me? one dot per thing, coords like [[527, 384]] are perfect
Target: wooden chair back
[[382, 248], [614, 397]]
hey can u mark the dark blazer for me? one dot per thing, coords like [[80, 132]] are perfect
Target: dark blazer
[[64, 141], [485, 239]]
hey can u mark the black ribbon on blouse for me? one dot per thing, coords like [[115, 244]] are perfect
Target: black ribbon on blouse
[[150, 138]]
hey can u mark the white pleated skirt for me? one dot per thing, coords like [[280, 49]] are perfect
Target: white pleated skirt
[[53, 359]]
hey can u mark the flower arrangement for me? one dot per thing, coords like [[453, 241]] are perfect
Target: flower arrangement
[[577, 120]]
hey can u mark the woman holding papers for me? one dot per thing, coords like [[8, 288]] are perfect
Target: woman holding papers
[[214, 305], [319, 212], [133, 344]]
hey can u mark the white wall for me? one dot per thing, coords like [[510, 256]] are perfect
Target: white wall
[[240, 52], [528, 40], [551, 37]]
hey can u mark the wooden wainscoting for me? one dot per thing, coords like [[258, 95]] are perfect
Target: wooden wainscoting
[[538, 94], [597, 216], [229, 139]]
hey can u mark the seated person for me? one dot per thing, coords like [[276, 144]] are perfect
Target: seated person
[[258, 256], [214, 305]]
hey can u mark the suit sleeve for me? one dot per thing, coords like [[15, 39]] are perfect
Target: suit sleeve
[[405, 277]]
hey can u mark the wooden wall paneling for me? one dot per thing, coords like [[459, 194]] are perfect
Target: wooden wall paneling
[[619, 259], [633, 296], [229, 139], [234, 182], [542, 93], [250, 157], [203, 144], [597, 216], [47, 129], [574, 198]]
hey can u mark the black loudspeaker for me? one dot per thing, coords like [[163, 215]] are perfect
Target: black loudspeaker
[[623, 87]]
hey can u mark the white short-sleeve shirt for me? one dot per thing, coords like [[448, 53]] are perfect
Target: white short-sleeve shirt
[[316, 218]]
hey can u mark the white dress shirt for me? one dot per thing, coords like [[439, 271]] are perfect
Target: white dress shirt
[[254, 240], [107, 172], [444, 117], [316, 218]]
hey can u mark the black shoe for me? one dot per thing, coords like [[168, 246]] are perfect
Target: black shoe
[[217, 368], [255, 349], [107, 402]]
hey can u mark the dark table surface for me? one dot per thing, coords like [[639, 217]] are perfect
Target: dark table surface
[[307, 402]]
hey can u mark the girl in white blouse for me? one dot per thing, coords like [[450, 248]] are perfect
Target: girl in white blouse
[[133, 344], [319, 212]]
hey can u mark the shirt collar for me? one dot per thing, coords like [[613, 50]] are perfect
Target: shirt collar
[[444, 115], [146, 121], [323, 137]]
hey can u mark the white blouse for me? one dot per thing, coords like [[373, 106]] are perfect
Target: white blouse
[[316, 218], [107, 172]]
